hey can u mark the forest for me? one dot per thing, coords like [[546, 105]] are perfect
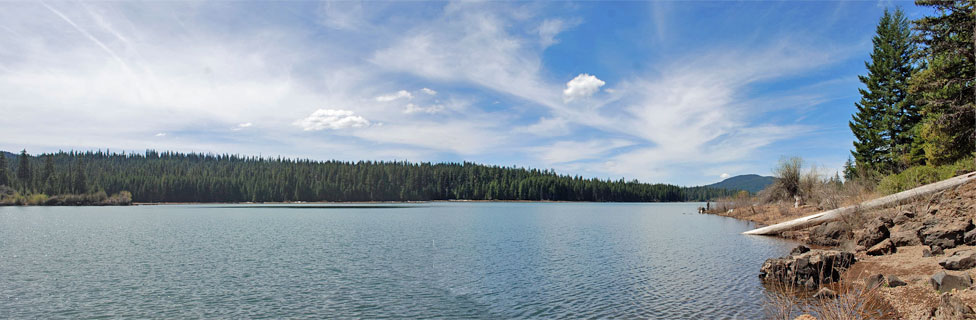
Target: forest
[[916, 120], [192, 177]]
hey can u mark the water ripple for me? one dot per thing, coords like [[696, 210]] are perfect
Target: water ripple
[[441, 260]]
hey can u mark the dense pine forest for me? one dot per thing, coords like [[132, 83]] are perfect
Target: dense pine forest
[[192, 177]]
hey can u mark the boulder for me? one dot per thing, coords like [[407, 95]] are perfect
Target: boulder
[[800, 249], [825, 294], [894, 281], [830, 234], [943, 281], [969, 237], [873, 281], [952, 308], [937, 250], [886, 221], [874, 232], [882, 248], [961, 260], [926, 252], [903, 217], [905, 238], [946, 235], [809, 269]]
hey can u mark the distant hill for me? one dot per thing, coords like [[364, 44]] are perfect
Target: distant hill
[[748, 182]]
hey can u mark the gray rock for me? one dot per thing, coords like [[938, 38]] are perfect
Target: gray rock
[[874, 232], [809, 269], [946, 235], [926, 252], [943, 281], [800, 249], [961, 260], [825, 294], [882, 248], [970, 237], [894, 281], [830, 234], [903, 217], [873, 281], [952, 308], [937, 250], [905, 238]]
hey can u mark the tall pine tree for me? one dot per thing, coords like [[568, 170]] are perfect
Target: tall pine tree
[[24, 170], [886, 115], [4, 175], [946, 87]]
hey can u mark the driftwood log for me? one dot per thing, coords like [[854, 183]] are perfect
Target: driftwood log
[[891, 200]]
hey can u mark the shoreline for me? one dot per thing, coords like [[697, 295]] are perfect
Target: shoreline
[[390, 202], [911, 258]]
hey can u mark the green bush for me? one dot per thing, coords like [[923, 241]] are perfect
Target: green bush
[[921, 175]]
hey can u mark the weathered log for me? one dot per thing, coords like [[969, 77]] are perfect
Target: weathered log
[[895, 199]]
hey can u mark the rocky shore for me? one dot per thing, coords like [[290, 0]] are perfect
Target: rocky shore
[[919, 257]]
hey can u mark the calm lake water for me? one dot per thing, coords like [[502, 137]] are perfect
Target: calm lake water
[[428, 260]]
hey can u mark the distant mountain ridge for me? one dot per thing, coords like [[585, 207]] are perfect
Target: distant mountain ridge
[[748, 182]]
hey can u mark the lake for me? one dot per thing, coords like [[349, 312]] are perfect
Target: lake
[[419, 260]]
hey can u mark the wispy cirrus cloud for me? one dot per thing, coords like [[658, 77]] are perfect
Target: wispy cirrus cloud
[[513, 84]]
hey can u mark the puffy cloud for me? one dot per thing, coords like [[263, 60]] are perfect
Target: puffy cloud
[[584, 85], [402, 94], [412, 108], [333, 119], [724, 176], [161, 134], [242, 126], [429, 91]]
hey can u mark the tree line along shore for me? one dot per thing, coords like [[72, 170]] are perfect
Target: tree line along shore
[[116, 178]]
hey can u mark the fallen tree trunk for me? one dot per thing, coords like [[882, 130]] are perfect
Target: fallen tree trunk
[[895, 199]]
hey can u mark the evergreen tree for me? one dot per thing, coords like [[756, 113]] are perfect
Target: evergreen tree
[[48, 168], [24, 170], [4, 175], [886, 115], [177, 177], [850, 172], [80, 181], [947, 85], [47, 175]]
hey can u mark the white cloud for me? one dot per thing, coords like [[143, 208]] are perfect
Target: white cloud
[[242, 126], [570, 151], [161, 134], [342, 15], [472, 43], [412, 108], [402, 94], [724, 176], [333, 119], [583, 86], [464, 137], [429, 91], [548, 31], [549, 127]]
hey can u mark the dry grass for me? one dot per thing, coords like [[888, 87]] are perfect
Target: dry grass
[[852, 302]]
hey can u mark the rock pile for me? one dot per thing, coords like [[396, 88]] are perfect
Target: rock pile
[[807, 268]]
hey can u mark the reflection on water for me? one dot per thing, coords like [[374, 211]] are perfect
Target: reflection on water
[[454, 260]]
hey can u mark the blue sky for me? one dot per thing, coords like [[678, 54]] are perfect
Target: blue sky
[[676, 92]]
